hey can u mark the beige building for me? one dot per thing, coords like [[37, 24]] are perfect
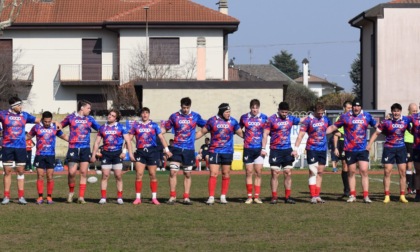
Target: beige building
[[389, 50]]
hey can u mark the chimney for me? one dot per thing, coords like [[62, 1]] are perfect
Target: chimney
[[201, 58], [223, 6], [305, 68]]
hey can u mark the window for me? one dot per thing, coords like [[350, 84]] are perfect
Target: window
[[92, 59], [164, 51], [6, 59]]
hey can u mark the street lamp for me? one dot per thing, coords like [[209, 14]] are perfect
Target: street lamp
[[146, 8]]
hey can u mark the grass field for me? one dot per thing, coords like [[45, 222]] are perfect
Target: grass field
[[333, 226]]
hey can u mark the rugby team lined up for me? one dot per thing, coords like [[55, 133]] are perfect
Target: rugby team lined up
[[350, 146]]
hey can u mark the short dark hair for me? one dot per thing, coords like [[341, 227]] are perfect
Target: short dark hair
[[254, 102], [82, 103], [207, 139], [319, 106], [186, 101], [284, 106], [117, 113], [46, 114], [14, 99], [396, 106], [346, 103], [145, 109]]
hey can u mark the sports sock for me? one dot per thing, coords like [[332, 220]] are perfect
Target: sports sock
[[50, 187], [153, 186], [249, 190], [138, 186], [7, 194], [287, 193], [119, 194], [274, 195], [40, 186], [103, 194], [386, 193], [225, 185], [257, 190], [353, 193], [71, 187], [212, 185], [21, 193], [172, 194], [186, 196], [402, 193], [317, 191], [82, 190], [312, 189], [365, 194]]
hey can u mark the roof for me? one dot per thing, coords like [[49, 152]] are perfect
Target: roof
[[318, 80], [404, 1], [266, 72], [56, 12]]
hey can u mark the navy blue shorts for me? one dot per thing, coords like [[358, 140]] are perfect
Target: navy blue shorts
[[221, 158], [147, 156], [250, 154], [77, 155], [204, 154], [313, 156], [341, 155], [14, 154], [409, 148], [416, 155], [44, 162], [355, 156], [394, 155], [281, 158], [111, 157], [183, 156]]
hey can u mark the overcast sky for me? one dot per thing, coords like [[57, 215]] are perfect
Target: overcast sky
[[314, 29]]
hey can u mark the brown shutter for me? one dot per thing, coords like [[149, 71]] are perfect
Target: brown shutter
[[92, 59]]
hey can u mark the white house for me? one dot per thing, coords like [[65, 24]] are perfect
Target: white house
[[71, 50]]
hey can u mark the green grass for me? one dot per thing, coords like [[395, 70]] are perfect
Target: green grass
[[333, 226]]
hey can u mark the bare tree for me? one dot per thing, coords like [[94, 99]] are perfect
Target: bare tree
[[123, 96], [9, 9]]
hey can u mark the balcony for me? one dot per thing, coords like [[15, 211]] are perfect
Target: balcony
[[89, 75], [23, 73]]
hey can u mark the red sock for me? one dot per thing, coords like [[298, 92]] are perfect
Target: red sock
[[274, 195], [186, 195], [153, 186], [287, 193], [82, 190], [40, 186], [317, 191], [312, 189], [164, 164], [103, 194], [212, 185], [50, 187], [172, 194], [365, 194], [197, 163], [225, 185], [139, 185], [353, 193], [7, 194], [20, 193], [257, 190], [71, 187], [402, 193], [119, 194], [207, 163], [249, 190], [386, 193]]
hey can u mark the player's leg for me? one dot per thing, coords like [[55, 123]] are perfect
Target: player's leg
[[387, 181], [50, 182], [287, 174], [215, 163], [249, 171], [153, 183], [363, 170], [72, 162], [225, 181], [258, 166], [402, 171], [83, 170], [188, 157], [274, 183], [40, 181], [140, 166], [106, 170]]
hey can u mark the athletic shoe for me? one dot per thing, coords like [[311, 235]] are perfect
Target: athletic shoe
[[49, 201], [223, 200], [158, 169], [155, 201], [403, 199], [313, 200], [320, 200], [413, 191], [22, 201], [366, 200], [187, 201], [137, 201], [5, 201], [120, 201], [248, 201], [171, 201], [289, 201], [387, 199], [258, 201], [273, 201], [102, 201], [351, 199], [81, 200], [210, 201], [40, 200], [70, 198]]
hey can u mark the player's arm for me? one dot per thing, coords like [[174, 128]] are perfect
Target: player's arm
[[128, 138], [295, 151], [372, 139], [64, 137], [201, 133], [239, 132], [165, 145], [331, 129], [95, 148], [264, 142], [335, 143]]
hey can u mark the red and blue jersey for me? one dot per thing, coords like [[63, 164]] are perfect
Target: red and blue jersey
[[280, 131], [221, 131], [145, 134], [394, 131], [254, 129], [45, 138], [355, 129], [113, 136], [415, 129], [184, 128], [316, 129], [14, 128], [80, 128]]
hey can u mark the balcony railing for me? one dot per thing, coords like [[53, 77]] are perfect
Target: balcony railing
[[23, 72], [88, 72]]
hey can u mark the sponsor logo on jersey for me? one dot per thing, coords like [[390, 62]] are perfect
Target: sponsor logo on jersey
[[184, 122], [282, 123], [46, 130], [254, 123], [145, 130], [358, 121], [16, 118], [110, 132], [397, 126], [222, 126], [80, 121], [320, 124]]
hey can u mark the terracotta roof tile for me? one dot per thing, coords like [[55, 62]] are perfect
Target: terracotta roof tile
[[404, 1], [117, 11]]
